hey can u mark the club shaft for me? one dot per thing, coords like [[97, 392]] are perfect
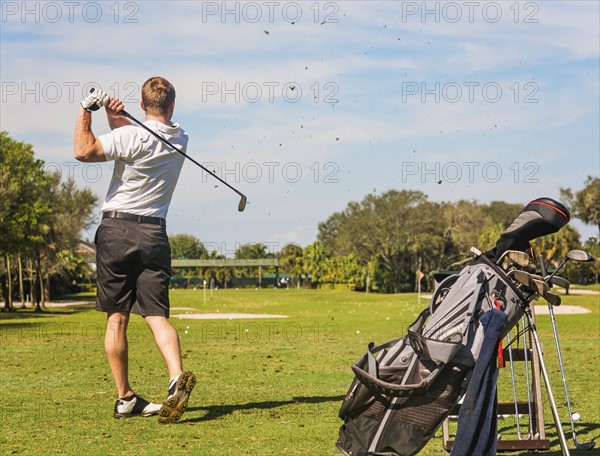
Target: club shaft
[[543, 269], [562, 370], [549, 278], [167, 142]]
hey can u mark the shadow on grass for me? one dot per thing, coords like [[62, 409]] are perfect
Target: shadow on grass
[[572, 451], [217, 411], [28, 313]]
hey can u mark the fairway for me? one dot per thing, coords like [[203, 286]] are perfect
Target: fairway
[[266, 386]]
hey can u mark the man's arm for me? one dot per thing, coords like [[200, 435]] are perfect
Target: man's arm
[[87, 148], [115, 118]]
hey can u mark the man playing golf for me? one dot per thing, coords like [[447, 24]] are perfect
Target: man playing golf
[[133, 256]]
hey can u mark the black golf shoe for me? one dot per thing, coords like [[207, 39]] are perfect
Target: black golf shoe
[[179, 393], [135, 406]]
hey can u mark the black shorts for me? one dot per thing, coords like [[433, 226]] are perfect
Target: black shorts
[[133, 267]]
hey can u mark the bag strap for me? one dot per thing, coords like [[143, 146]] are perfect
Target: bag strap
[[376, 385], [373, 363]]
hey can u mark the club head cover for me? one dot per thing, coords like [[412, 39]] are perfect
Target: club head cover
[[540, 217]]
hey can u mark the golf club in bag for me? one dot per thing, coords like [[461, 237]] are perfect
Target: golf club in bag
[[575, 255], [405, 388]]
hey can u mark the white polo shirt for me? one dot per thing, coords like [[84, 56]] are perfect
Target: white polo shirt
[[145, 169]]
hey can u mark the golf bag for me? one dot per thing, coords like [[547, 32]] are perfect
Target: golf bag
[[405, 388]]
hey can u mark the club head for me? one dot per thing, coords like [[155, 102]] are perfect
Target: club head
[[242, 204], [552, 298], [580, 255], [515, 256], [541, 286], [584, 446], [519, 258], [559, 282], [524, 278]]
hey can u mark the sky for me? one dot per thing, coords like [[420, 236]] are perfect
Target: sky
[[306, 106]]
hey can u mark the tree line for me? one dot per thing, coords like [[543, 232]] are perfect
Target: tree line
[[41, 219], [383, 243], [388, 242]]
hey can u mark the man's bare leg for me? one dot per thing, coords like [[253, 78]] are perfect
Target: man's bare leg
[[115, 344], [182, 383], [167, 341]]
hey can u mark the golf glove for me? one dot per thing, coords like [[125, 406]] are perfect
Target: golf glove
[[95, 100]]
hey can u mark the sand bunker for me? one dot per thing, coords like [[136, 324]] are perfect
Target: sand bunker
[[561, 310], [226, 316]]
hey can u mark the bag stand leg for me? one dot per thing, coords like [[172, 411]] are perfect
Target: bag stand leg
[[538, 347], [537, 392], [514, 387]]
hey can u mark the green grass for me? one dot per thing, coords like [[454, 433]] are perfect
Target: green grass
[[266, 387]]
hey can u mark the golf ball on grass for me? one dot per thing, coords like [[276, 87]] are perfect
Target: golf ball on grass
[[576, 416]]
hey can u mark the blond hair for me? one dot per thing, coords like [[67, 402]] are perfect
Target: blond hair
[[158, 95]]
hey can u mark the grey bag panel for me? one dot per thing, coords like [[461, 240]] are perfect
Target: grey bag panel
[[453, 314]]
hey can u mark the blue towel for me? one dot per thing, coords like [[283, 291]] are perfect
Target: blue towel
[[477, 419]]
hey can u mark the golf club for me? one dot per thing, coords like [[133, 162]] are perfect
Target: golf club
[[538, 346], [565, 284], [559, 282], [538, 287], [552, 298], [524, 278], [578, 445], [242, 203], [575, 255], [515, 256], [541, 286]]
